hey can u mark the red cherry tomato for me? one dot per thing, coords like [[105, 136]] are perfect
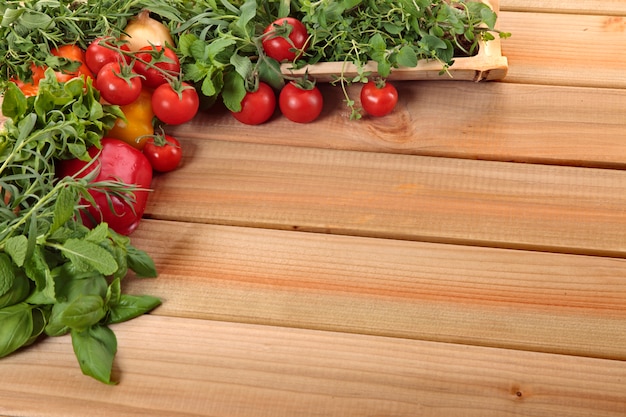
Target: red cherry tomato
[[378, 100], [73, 53], [101, 52], [164, 154], [300, 105], [257, 106], [172, 108], [117, 85], [280, 46], [164, 59]]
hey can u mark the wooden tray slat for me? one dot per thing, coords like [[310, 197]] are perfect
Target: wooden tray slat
[[487, 64]]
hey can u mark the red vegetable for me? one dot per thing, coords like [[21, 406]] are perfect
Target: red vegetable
[[284, 39], [101, 52], [166, 65], [118, 84], [301, 104], [175, 108], [72, 53], [257, 106], [164, 153], [378, 98], [117, 161]]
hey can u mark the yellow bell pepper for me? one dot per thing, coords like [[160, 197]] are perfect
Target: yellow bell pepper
[[138, 127]]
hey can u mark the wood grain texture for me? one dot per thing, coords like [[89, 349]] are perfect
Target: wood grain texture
[[494, 121], [478, 296], [604, 7], [289, 372], [588, 53], [550, 208]]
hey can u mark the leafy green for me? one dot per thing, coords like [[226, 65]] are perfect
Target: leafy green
[[56, 275]]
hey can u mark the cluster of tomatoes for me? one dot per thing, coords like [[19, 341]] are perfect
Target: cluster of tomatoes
[[300, 100], [144, 83]]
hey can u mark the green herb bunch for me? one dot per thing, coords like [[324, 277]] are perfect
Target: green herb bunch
[[30, 29], [56, 275]]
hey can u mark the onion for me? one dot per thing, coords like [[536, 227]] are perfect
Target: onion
[[144, 31]]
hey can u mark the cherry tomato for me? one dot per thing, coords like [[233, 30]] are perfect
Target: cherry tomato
[[137, 128], [31, 88], [73, 53], [299, 104], [282, 46], [257, 106], [378, 100], [172, 108], [164, 153], [118, 84], [164, 59], [101, 52]]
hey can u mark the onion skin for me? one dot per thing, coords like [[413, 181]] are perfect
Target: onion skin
[[145, 31]]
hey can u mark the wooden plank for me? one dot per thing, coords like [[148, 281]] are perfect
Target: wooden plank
[[604, 7], [175, 367], [495, 121], [549, 208], [481, 296], [565, 49]]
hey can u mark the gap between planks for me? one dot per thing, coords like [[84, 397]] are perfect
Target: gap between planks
[[490, 121], [555, 303], [592, 7], [180, 367], [484, 203]]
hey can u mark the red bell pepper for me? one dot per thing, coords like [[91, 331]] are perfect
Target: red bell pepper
[[117, 161]]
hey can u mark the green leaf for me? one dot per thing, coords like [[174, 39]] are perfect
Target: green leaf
[[85, 255], [242, 64], [32, 20], [98, 234], [10, 16], [38, 270], [83, 312], [17, 293], [6, 274], [63, 208], [248, 12], [16, 247], [269, 71], [217, 46], [407, 57], [141, 263], [14, 102], [16, 322], [234, 91], [95, 350], [131, 306]]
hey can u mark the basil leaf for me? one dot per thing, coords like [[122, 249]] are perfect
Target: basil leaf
[[83, 312], [16, 322], [140, 263], [95, 350], [131, 306]]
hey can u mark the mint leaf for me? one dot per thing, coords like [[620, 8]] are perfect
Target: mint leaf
[[16, 247], [85, 255], [63, 208]]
